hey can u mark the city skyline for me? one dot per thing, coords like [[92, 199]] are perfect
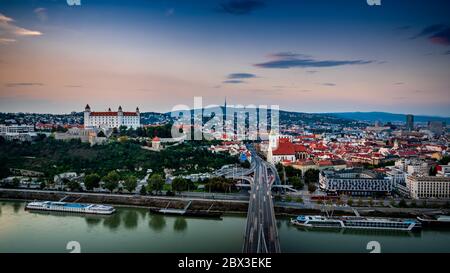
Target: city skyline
[[301, 55]]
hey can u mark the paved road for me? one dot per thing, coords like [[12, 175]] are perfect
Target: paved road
[[261, 234]]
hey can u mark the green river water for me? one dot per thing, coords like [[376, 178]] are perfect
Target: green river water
[[136, 230]]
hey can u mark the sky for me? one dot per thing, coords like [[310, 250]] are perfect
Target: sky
[[305, 55]]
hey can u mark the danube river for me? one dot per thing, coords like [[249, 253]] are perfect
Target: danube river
[[136, 230]]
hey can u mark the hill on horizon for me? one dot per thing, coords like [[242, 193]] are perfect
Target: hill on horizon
[[386, 117]]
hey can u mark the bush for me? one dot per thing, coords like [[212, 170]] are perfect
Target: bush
[[311, 187], [143, 190], [350, 202], [170, 193], [296, 182], [402, 204]]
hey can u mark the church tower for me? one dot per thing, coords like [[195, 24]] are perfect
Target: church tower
[[273, 140]]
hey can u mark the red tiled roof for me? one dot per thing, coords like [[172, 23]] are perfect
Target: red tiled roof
[[325, 163], [134, 114], [300, 148], [99, 114], [284, 148], [111, 114]]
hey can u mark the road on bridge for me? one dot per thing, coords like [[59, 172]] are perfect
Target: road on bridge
[[261, 234]]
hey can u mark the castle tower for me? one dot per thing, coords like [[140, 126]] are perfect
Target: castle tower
[[120, 116], [156, 143], [87, 113]]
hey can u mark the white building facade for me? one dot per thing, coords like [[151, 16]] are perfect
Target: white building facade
[[17, 132], [421, 187], [110, 119], [355, 182]]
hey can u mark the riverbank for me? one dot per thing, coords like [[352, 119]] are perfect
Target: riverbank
[[198, 204]]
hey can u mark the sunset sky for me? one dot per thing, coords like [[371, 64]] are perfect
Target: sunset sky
[[304, 55]]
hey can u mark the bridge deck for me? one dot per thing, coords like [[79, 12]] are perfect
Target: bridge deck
[[261, 233]]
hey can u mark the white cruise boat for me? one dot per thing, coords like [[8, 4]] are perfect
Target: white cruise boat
[[70, 207], [356, 223]]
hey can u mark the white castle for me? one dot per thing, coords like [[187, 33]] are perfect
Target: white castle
[[110, 119]]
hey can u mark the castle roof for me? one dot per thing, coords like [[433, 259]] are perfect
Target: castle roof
[[111, 114]]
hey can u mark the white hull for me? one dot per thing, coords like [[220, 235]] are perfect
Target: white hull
[[341, 225], [88, 209]]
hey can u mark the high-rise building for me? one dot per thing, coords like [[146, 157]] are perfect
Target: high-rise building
[[436, 127], [409, 122]]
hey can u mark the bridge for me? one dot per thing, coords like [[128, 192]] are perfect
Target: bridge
[[261, 233]]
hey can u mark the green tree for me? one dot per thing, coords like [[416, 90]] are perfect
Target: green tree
[[402, 204], [312, 176], [296, 182], [111, 181], [15, 182], [92, 181], [445, 160], [433, 171], [291, 171], [350, 202], [4, 171], [392, 203], [123, 130], [74, 185], [360, 202], [155, 183], [130, 183], [245, 164], [179, 184], [143, 190], [312, 188]]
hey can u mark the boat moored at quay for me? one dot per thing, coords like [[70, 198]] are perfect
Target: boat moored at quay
[[352, 222], [70, 207], [436, 221]]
